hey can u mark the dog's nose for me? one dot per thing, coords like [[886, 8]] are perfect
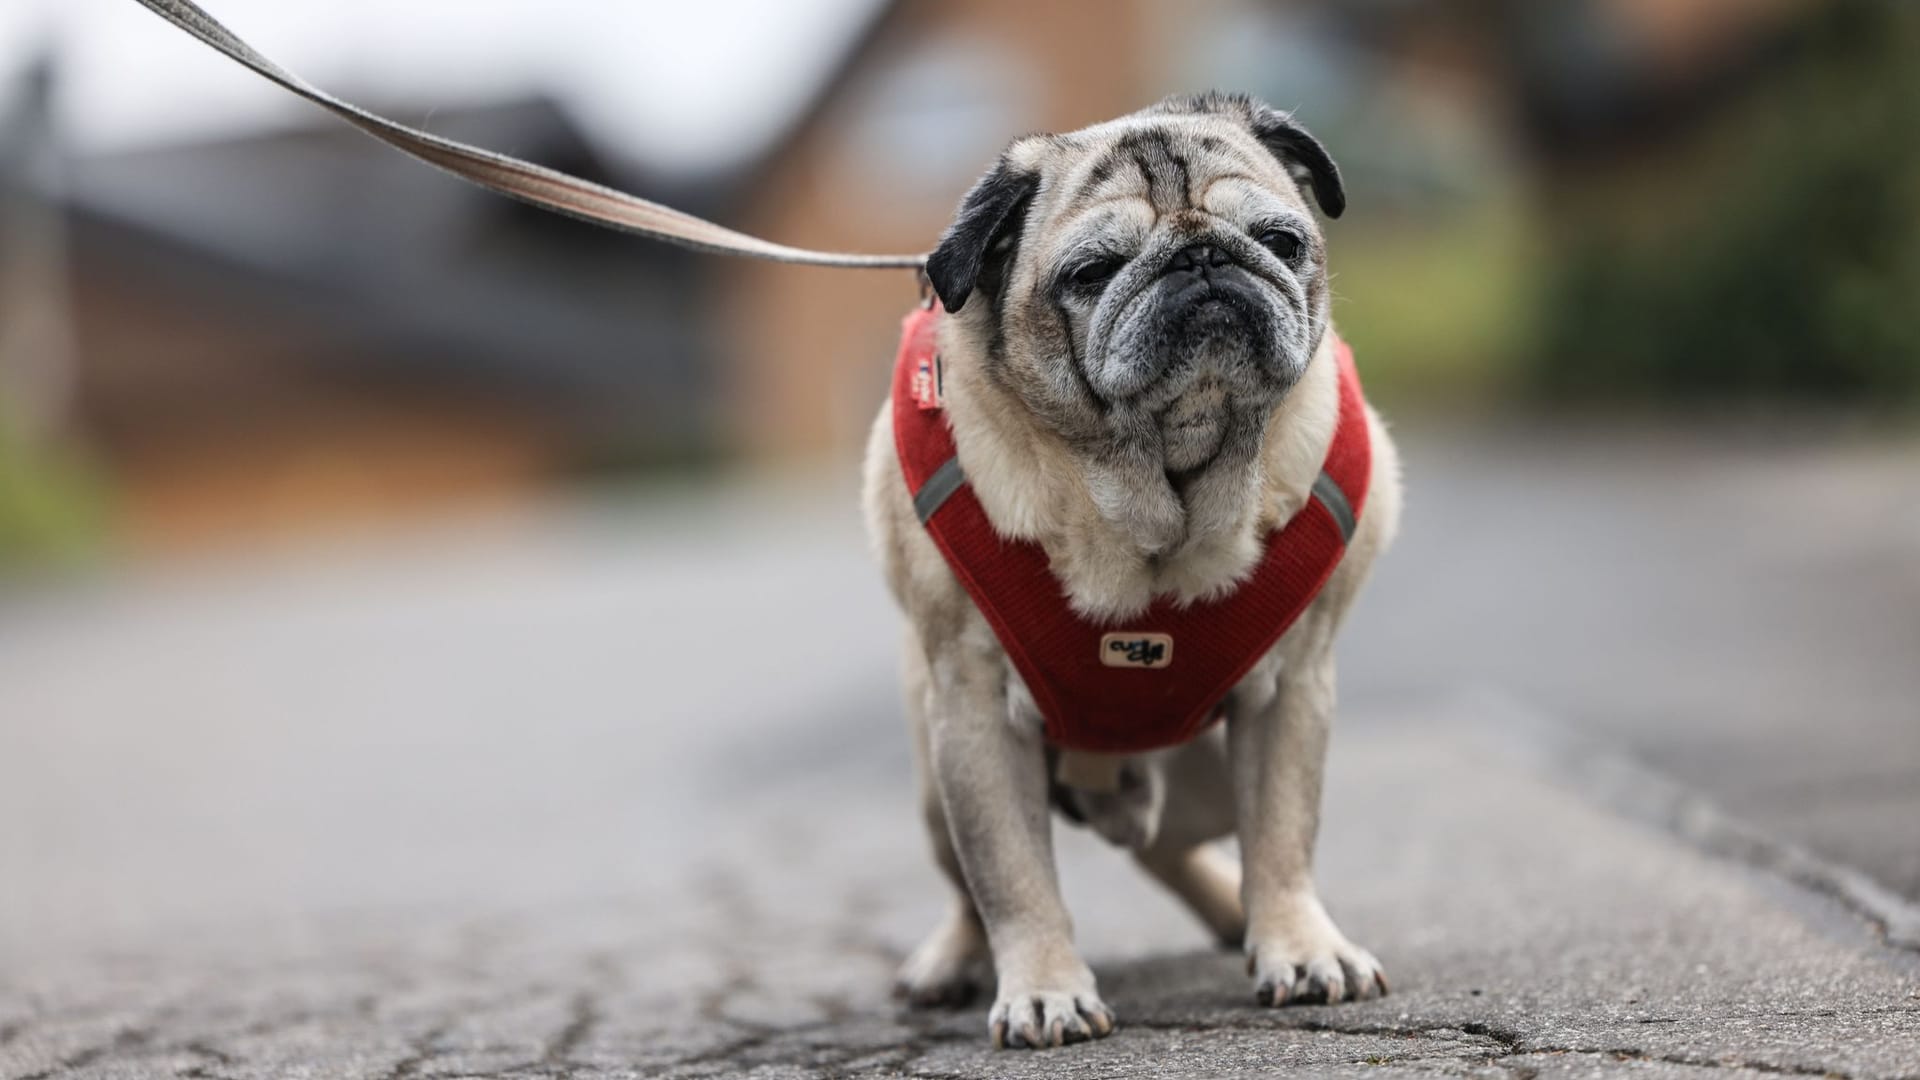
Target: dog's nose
[[1198, 257]]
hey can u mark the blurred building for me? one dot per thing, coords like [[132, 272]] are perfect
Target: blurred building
[[307, 324], [36, 317]]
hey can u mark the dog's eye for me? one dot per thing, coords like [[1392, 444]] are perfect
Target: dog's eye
[[1282, 243], [1095, 272]]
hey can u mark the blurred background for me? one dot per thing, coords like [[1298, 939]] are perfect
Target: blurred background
[[297, 433]]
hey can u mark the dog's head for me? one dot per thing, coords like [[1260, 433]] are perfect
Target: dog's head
[[1155, 283]]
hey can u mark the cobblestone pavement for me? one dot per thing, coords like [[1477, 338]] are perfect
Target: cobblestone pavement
[[449, 808]]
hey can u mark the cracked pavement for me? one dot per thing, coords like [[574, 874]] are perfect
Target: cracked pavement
[[446, 806]]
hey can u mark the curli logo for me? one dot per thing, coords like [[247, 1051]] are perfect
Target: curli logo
[[1136, 650]]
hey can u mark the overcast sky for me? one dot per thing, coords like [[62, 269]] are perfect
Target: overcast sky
[[678, 84]]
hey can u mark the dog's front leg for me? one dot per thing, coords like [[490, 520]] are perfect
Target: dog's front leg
[[993, 782], [1279, 747]]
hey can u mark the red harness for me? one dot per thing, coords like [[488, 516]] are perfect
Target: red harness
[[1145, 682]]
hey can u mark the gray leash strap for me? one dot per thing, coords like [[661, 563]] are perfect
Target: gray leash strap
[[522, 180]]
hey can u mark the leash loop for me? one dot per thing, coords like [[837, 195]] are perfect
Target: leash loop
[[523, 180]]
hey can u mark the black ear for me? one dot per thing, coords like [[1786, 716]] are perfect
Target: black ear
[[1303, 156], [989, 217]]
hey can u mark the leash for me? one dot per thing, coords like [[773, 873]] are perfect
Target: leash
[[523, 180]]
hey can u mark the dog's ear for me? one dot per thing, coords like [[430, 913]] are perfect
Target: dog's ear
[[1302, 154], [983, 233]]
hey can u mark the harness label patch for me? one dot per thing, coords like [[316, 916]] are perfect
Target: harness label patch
[[1136, 650], [929, 375]]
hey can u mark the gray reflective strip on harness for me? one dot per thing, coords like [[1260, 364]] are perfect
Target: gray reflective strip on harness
[[938, 489], [1335, 501], [522, 180]]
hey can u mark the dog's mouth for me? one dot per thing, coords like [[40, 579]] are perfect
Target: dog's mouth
[[1212, 318], [1192, 353]]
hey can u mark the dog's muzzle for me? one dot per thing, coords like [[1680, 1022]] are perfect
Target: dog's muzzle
[[1204, 310], [1205, 290]]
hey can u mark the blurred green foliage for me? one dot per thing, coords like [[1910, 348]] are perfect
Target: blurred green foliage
[[1438, 308], [51, 507], [1782, 259]]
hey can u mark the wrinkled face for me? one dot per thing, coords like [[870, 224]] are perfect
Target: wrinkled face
[[1175, 275], [1163, 285]]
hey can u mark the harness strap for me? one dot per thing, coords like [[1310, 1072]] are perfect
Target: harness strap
[[523, 180]]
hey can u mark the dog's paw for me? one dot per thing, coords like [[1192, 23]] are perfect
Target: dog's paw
[[948, 968], [1308, 961], [1033, 1016]]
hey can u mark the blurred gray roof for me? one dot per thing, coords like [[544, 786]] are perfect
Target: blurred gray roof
[[419, 267], [325, 193]]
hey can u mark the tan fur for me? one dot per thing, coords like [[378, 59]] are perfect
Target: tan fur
[[978, 735]]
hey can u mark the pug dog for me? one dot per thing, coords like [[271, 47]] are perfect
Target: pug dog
[[1149, 448]]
